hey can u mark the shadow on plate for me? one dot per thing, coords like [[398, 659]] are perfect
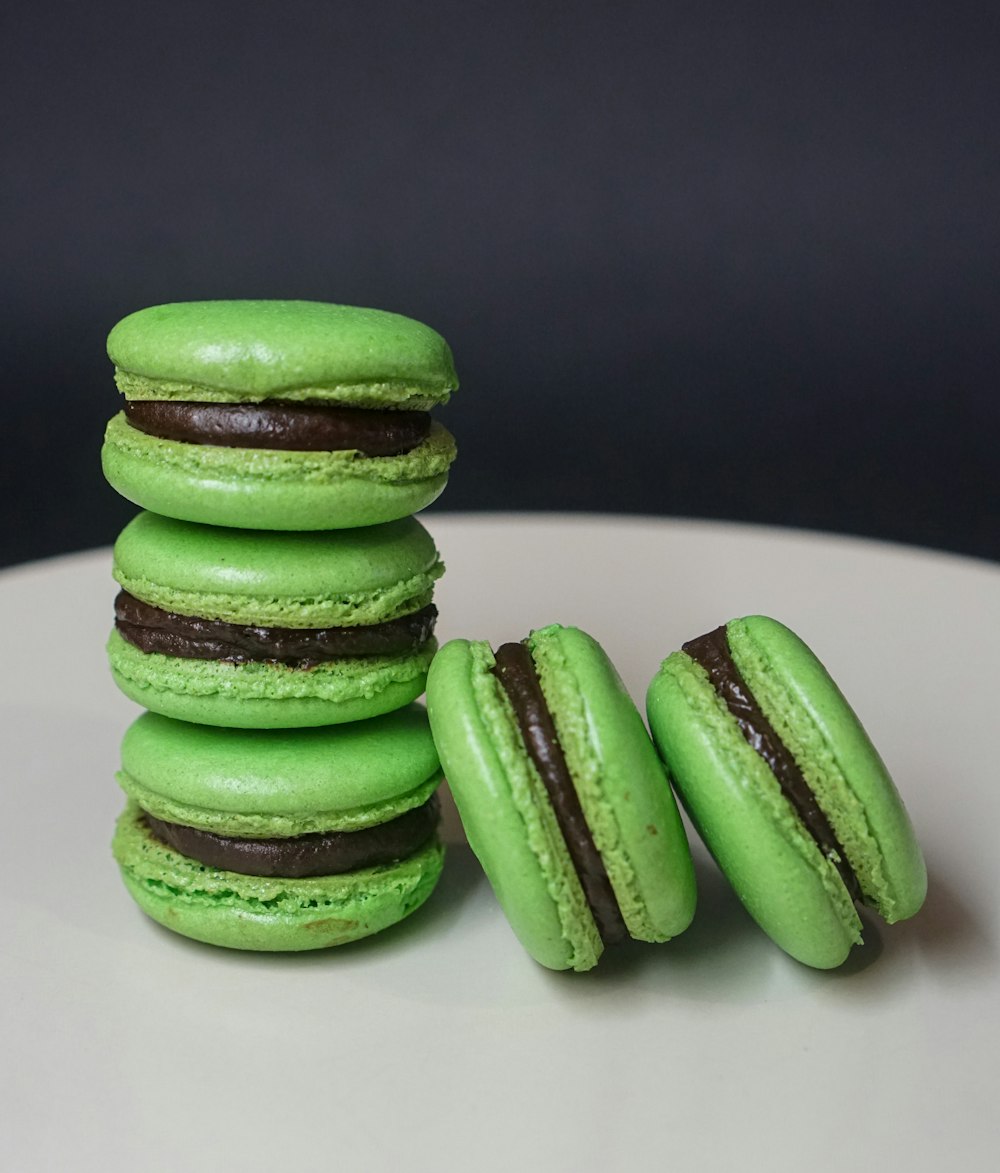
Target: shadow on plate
[[722, 957], [725, 957], [946, 932]]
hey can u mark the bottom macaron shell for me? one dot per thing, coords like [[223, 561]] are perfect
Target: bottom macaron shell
[[621, 783], [266, 695], [271, 490], [267, 914]]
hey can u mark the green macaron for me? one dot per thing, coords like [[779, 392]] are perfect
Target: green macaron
[[287, 415], [272, 630], [279, 840], [561, 794], [785, 787]]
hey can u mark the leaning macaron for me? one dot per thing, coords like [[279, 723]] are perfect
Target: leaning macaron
[[279, 840], [272, 630], [287, 415], [785, 787], [561, 794]]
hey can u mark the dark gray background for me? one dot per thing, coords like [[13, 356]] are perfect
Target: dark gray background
[[718, 260]]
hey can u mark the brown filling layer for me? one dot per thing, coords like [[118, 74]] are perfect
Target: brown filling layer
[[154, 630], [329, 853], [712, 652], [516, 672], [300, 427]]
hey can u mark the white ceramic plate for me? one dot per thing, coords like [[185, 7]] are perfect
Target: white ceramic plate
[[440, 1045]]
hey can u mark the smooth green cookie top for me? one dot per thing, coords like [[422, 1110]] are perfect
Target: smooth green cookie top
[[620, 781], [839, 761], [229, 351], [337, 578], [345, 776]]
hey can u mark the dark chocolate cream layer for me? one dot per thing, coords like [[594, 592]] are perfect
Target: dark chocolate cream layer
[[330, 853], [301, 427], [516, 671], [155, 630], [712, 652]]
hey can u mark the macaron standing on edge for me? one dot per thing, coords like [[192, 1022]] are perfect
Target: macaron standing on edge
[[785, 787], [561, 794], [279, 840], [259, 629], [284, 415]]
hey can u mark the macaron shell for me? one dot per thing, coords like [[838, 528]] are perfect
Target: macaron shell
[[254, 349], [504, 809], [267, 913], [620, 781], [793, 892], [838, 759], [257, 488], [265, 694], [258, 783], [263, 825], [336, 578]]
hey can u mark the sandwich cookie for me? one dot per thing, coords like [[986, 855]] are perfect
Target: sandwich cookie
[[785, 788], [272, 630], [561, 794], [286, 415], [278, 840]]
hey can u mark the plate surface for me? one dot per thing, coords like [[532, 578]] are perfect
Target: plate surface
[[440, 1045]]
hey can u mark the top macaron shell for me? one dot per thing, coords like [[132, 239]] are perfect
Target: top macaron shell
[[786, 883], [509, 819], [254, 351], [278, 579], [260, 784]]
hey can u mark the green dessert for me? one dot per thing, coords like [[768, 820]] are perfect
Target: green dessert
[[272, 630], [785, 787], [561, 794], [276, 839], [286, 415]]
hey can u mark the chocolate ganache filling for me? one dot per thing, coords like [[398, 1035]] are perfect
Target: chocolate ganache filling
[[712, 652], [328, 853], [515, 670], [154, 630], [300, 427]]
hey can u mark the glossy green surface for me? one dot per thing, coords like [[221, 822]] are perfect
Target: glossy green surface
[[266, 913], [257, 783], [620, 781], [507, 817], [258, 488], [838, 759], [253, 350], [339, 578]]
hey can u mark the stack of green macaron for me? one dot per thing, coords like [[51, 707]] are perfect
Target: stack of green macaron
[[276, 616]]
